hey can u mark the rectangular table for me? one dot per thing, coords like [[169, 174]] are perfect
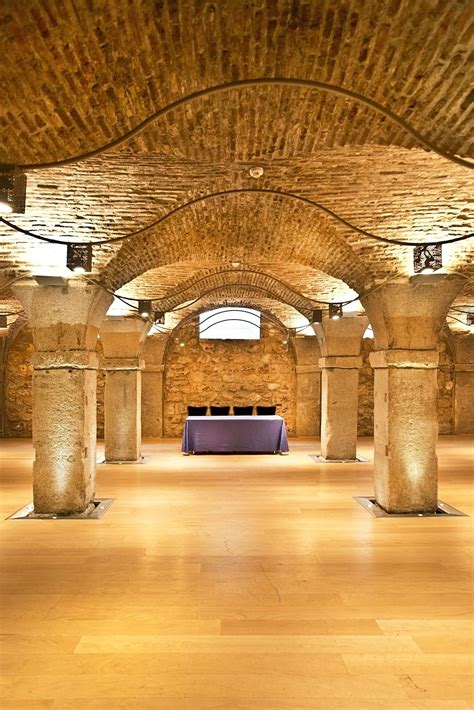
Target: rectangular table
[[246, 434]]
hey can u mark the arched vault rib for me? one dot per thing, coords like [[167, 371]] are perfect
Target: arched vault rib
[[242, 227], [238, 280]]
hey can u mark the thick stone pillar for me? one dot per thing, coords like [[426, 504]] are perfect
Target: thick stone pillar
[[340, 342], [462, 344], [3, 340], [122, 341], [308, 386], [153, 385], [407, 317], [64, 323]]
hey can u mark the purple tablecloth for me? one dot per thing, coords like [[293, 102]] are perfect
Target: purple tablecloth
[[252, 434]]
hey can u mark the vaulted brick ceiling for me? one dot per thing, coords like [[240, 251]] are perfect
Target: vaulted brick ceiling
[[76, 75]]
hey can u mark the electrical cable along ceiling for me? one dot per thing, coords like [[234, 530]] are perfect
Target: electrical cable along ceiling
[[330, 140]]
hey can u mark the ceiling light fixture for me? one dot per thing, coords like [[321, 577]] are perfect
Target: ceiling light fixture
[[256, 172], [335, 311], [144, 308], [158, 318], [12, 190], [79, 258], [427, 259]]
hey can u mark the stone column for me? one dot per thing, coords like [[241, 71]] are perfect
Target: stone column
[[3, 340], [462, 344], [407, 317], [64, 323], [340, 342], [153, 385], [308, 386], [122, 340]]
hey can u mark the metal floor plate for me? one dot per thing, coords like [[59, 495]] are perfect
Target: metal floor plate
[[100, 509], [317, 458], [443, 511]]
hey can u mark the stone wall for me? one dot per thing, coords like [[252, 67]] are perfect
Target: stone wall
[[18, 391], [365, 424], [212, 371], [445, 389], [228, 372]]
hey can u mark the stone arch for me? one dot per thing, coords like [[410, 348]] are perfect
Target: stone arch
[[246, 228], [237, 279]]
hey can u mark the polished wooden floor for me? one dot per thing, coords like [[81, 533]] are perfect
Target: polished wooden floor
[[237, 583]]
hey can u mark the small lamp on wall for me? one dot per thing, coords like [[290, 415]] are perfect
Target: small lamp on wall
[[144, 308], [316, 316], [427, 259], [12, 190], [335, 311], [470, 321], [79, 258]]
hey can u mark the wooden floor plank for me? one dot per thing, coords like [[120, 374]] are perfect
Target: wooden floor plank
[[237, 583]]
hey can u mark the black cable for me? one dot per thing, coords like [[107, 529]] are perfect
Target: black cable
[[279, 81], [234, 191]]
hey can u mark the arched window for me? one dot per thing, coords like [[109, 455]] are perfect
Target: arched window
[[230, 324]]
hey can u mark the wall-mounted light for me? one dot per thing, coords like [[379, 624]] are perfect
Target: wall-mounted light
[[317, 316], [427, 259], [3, 322], [79, 258], [335, 311], [470, 321], [12, 190], [158, 318], [144, 308]]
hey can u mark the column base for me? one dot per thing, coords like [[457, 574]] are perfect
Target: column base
[[94, 511], [320, 459], [443, 510], [141, 459]]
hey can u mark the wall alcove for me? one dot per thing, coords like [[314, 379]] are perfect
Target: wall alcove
[[228, 372]]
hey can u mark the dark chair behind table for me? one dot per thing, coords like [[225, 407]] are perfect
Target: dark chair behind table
[[261, 410], [197, 411], [242, 411], [217, 411]]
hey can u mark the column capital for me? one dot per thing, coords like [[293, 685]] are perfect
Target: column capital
[[341, 362], [464, 367], [123, 338], [65, 359], [409, 313], [122, 363], [415, 359], [159, 368], [306, 369], [341, 336], [63, 318]]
